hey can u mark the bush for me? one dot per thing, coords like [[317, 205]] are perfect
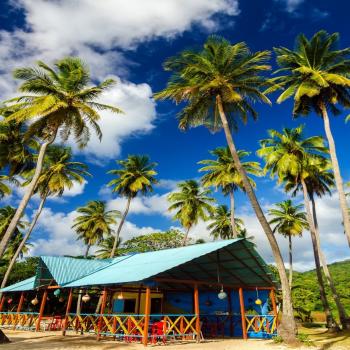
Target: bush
[[304, 338], [277, 339]]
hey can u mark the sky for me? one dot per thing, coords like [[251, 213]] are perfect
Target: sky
[[129, 41]]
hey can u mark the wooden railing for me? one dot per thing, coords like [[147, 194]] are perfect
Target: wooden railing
[[19, 320], [264, 324], [131, 327]]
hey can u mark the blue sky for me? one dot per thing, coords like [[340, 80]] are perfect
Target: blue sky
[[129, 41]]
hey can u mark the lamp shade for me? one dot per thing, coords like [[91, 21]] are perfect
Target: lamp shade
[[57, 292], [35, 301], [86, 298], [222, 294]]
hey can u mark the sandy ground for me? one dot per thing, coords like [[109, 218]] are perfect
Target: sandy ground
[[21, 340]]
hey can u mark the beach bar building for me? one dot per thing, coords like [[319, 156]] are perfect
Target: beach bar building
[[210, 290]]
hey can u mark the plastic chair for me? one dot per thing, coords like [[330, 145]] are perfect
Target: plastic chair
[[157, 331], [56, 323]]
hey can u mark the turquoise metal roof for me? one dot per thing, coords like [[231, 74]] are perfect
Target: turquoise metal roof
[[21, 286], [143, 266], [64, 269], [237, 260]]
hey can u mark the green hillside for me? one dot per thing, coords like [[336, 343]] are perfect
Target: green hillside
[[306, 292]]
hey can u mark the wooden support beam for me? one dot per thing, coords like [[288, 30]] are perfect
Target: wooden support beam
[[244, 324], [196, 311], [69, 304], [102, 310], [2, 302], [147, 313], [20, 303], [273, 302], [229, 301], [41, 311]]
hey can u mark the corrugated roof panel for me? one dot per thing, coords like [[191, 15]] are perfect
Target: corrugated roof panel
[[21, 286], [65, 269], [142, 266]]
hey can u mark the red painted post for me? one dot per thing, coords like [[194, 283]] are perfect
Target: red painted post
[[147, 312], [19, 308], [102, 310], [241, 302], [69, 304], [196, 311], [2, 302], [41, 311]]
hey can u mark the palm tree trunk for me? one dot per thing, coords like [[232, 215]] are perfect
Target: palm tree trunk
[[329, 318], [78, 311], [344, 320], [232, 216], [30, 190], [290, 261], [336, 170], [184, 241], [24, 240], [287, 328], [116, 239]]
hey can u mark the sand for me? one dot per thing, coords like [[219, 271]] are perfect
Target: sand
[[22, 340]]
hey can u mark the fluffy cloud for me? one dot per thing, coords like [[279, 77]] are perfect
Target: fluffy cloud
[[99, 31], [290, 5], [58, 238]]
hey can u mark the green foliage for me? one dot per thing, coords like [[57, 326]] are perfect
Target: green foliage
[[221, 226], [316, 73], [136, 174], [305, 339], [58, 97], [191, 203], [222, 172], [153, 241], [21, 270], [220, 70], [277, 339]]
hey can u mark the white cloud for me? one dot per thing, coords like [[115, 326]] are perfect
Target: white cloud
[[58, 238], [291, 5], [98, 31]]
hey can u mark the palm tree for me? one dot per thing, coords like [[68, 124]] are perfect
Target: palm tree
[[15, 245], [191, 204], [92, 227], [94, 223], [58, 174], [222, 173], [16, 150], [318, 182], [289, 220], [219, 85], [59, 99], [4, 188], [106, 246], [221, 226], [288, 155], [316, 73], [135, 175]]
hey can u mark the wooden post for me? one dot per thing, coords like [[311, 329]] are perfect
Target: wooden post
[[229, 301], [41, 311], [274, 306], [196, 311], [244, 325], [2, 302], [147, 312], [102, 310], [19, 308], [69, 304]]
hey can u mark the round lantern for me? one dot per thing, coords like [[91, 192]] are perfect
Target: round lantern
[[57, 292], [9, 301], [120, 296], [61, 299], [35, 301], [222, 294], [86, 298], [258, 302]]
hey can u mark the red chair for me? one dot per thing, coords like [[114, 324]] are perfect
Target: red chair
[[158, 332], [56, 323]]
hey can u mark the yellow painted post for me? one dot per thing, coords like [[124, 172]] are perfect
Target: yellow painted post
[[147, 317]]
